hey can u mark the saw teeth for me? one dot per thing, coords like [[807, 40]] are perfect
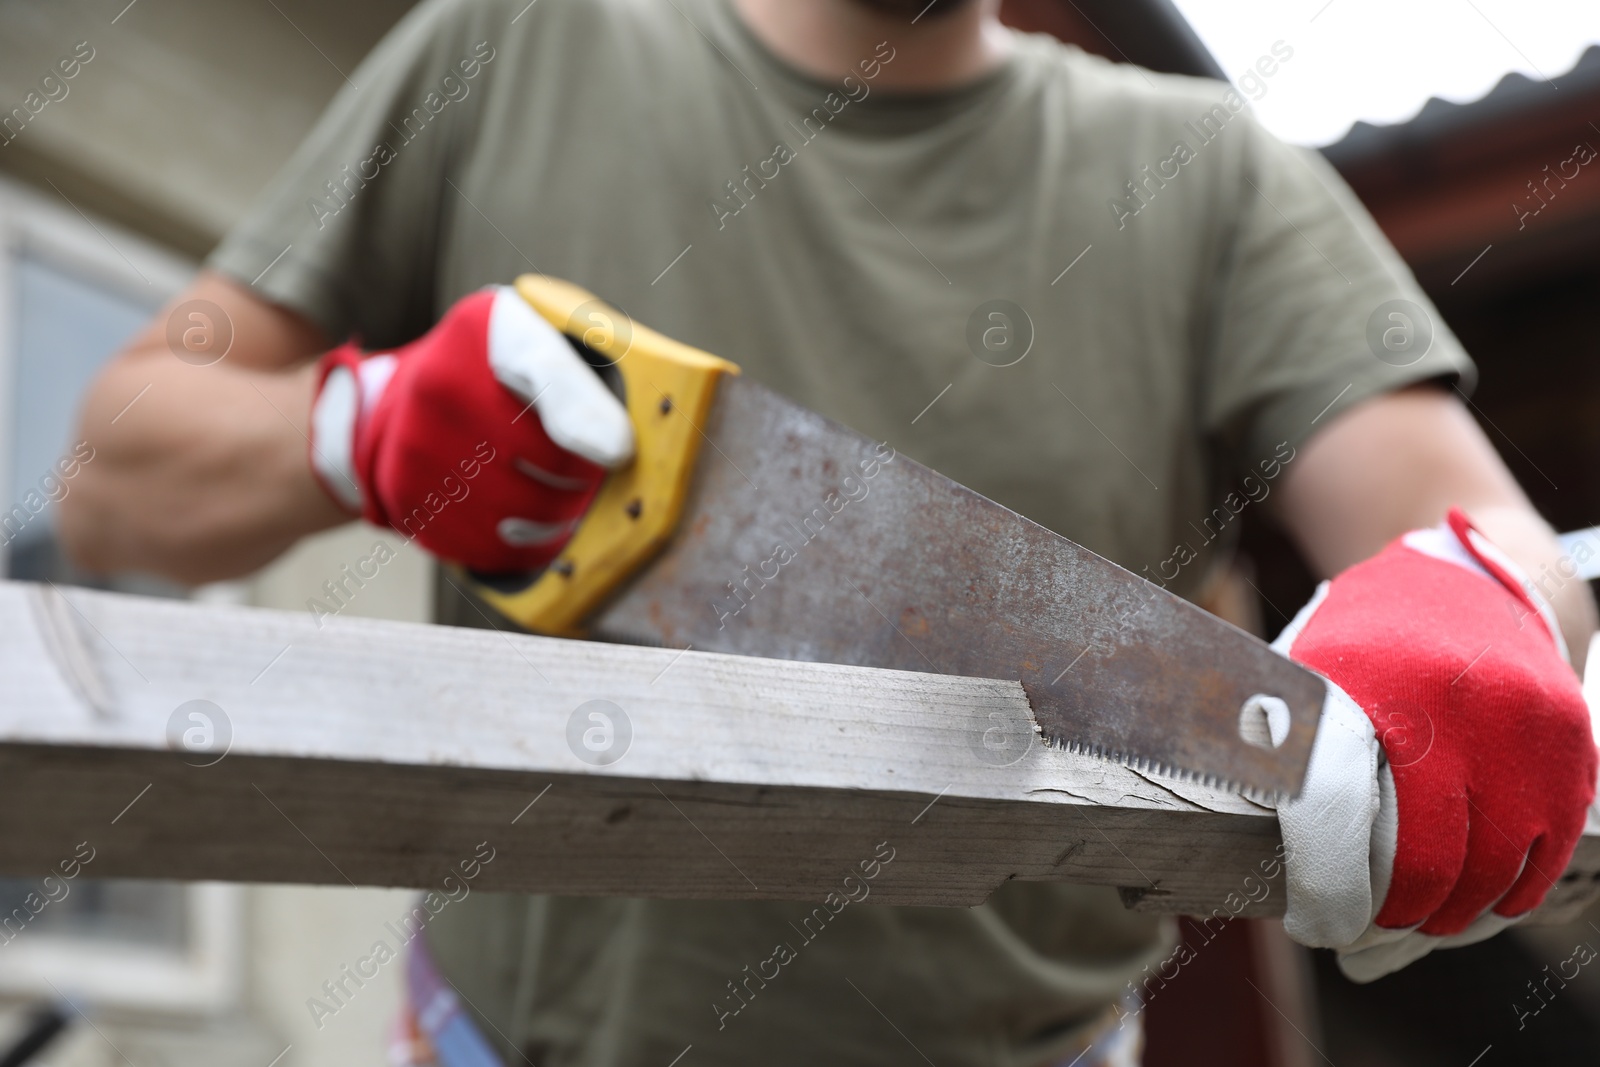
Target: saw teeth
[[1157, 768], [1160, 769]]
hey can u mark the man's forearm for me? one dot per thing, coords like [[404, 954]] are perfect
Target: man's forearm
[[1401, 461], [200, 472]]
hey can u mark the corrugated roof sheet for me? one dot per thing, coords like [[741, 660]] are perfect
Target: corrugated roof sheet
[[1381, 62], [1514, 94]]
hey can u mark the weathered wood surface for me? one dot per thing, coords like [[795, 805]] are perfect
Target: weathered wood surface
[[395, 754]]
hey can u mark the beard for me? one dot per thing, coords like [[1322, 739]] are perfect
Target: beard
[[910, 9]]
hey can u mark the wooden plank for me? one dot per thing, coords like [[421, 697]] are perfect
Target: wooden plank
[[395, 754]]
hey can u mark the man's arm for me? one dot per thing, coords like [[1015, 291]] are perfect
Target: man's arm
[[1399, 462], [482, 441], [205, 476]]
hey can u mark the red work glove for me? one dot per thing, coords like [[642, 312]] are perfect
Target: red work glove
[[484, 440], [1455, 762]]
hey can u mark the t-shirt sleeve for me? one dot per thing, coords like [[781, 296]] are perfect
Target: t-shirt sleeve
[[1313, 310], [348, 231]]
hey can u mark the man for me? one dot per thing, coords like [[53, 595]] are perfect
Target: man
[[833, 194]]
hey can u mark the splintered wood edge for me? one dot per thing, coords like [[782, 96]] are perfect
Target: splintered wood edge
[[368, 752]]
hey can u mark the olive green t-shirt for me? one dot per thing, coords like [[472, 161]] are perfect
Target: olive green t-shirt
[[1103, 297]]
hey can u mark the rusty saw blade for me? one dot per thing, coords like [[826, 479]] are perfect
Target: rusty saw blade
[[802, 539]]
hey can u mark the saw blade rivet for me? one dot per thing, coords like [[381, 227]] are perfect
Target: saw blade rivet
[[635, 506], [666, 404], [563, 567]]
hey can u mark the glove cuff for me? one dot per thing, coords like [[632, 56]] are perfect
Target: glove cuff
[[1505, 571], [349, 384]]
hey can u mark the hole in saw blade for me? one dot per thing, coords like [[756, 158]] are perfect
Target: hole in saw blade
[[1264, 721]]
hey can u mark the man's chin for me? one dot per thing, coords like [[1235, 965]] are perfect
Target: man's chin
[[910, 9]]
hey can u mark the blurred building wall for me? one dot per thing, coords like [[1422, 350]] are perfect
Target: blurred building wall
[[166, 117], [182, 110]]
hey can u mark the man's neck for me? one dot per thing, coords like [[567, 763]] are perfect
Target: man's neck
[[829, 38]]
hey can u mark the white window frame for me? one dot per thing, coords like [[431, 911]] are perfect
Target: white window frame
[[53, 232], [208, 976], [205, 978]]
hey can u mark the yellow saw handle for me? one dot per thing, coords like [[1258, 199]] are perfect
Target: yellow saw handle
[[668, 389]]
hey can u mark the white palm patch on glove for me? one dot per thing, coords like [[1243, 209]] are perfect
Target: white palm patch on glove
[[534, 360]]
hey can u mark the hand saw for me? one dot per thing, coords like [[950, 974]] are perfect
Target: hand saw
[[748, 524]]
